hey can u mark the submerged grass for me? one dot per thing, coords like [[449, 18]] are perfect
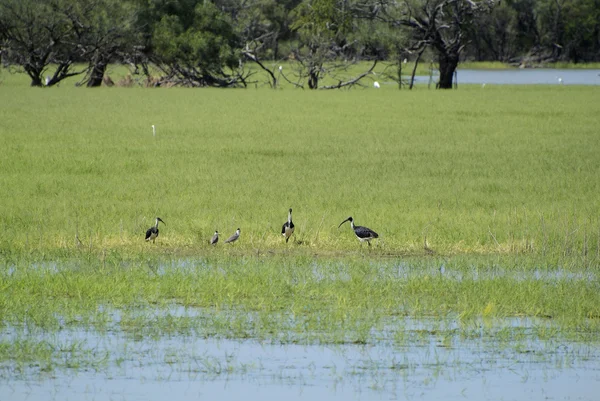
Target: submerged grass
[[500, 302], [267, 297]]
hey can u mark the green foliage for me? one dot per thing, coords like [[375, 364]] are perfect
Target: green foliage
[[62, 32], [208, 44]]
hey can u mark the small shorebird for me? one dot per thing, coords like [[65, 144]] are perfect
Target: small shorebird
[[152, 232], [234, 237], [288, 227], [362, 233], [215, 238]]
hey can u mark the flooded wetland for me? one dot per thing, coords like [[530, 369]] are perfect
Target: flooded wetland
[[298, 327], [482, 282]]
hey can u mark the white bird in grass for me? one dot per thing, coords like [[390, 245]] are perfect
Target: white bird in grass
[[234, 237], [153, 130], [288, 227], [362, 233], [152, 232], [215, 238], [376, 84]]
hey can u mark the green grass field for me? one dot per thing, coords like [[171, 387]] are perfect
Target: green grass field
[[501, 179], [510, 169]]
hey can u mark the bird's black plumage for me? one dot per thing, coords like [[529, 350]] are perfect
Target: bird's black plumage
[[362, 233], [215, 238], [288, 227], [152, 232]]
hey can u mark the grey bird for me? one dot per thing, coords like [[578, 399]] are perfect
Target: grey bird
[[288, 227], [215, 238], [362, 233], [152, 232], [234, 237]]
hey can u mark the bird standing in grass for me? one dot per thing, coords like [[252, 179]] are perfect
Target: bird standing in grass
[[362, 233], [234, 237], [152, 232], [215, 238], [288, 227]]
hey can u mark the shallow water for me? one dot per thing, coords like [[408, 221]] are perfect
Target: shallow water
[[434, 363], [403, 358]]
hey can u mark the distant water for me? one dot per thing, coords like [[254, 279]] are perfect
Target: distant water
[[531, 76], [527, 76]]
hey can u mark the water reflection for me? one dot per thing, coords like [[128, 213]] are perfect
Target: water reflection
[[433, 363]]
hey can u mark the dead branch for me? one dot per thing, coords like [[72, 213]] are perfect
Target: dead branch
[[352, 81]]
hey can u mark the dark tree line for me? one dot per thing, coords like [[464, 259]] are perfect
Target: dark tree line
[[213, 42]]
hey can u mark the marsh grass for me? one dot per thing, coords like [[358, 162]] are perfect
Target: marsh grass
[[471, 172], [253, 297], [505, 303], [484, 65]]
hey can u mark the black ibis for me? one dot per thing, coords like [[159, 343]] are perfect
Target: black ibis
[[215, 238], [288, 227], [152, 232], [234, 237], [362, 233]]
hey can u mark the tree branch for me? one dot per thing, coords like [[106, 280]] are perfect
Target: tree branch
[[352, 81]]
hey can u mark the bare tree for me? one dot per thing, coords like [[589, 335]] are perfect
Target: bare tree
[[439, 24]]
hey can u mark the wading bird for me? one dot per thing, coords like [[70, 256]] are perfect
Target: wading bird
[[288, 227], [362, 233], [152, 232], [215, 238], [234, 237]]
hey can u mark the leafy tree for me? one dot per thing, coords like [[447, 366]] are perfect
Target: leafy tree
[[36, 34], [570, 28], [107, 32], [325, 33], [492, 36], [199, 50]]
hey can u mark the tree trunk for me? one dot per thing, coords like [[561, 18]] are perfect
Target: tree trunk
[[414, 71], [313, 78], [35, 75], [448, 63], [97, 74], [36, 81]]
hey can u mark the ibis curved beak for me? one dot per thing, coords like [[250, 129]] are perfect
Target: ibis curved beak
[[348, 219]]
